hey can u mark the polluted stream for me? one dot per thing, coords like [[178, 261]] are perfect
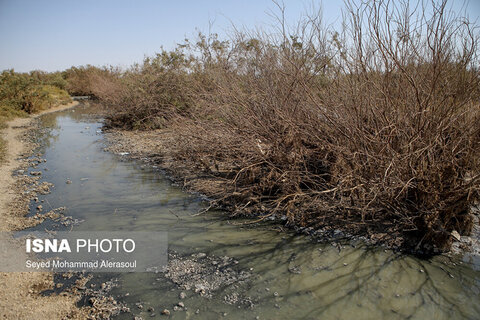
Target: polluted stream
[[228, 269]]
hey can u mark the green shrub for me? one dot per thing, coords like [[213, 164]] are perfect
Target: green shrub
[[30, 92]]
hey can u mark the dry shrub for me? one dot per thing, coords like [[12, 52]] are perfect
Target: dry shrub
[[373, 129], [406, 119], [150, 95], [82, 81]]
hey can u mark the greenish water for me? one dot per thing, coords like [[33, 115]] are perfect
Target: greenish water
[[292, 276]]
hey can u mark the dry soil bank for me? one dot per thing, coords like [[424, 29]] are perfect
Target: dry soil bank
[[20, 296]]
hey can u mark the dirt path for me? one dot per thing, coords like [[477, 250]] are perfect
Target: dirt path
[[20, 291]]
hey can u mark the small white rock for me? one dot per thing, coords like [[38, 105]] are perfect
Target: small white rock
[[456, 235]]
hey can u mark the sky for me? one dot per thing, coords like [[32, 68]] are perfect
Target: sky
[[54, 35]]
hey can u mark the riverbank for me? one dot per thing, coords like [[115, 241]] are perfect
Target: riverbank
[[20, 292], [18, 137], [160, 148]]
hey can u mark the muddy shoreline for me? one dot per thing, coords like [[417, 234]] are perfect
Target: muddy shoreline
[[21, 292]]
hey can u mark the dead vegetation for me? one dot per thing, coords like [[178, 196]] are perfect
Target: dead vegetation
[[373, 129]]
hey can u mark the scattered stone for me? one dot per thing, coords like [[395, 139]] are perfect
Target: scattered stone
[[181, 304], [39, 207], [44, 188], [295, 270], [166, 312], [36, 173], [199, 288], [150, 309], [231, 298], [104, 305], [68, 181], [200, 255], [182, 295]]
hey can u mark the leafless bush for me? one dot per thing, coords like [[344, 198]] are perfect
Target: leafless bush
[[373, 129]]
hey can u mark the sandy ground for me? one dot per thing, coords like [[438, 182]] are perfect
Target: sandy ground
[[20, 291]]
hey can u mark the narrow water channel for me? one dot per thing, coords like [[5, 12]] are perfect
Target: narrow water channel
[[280, 275]]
